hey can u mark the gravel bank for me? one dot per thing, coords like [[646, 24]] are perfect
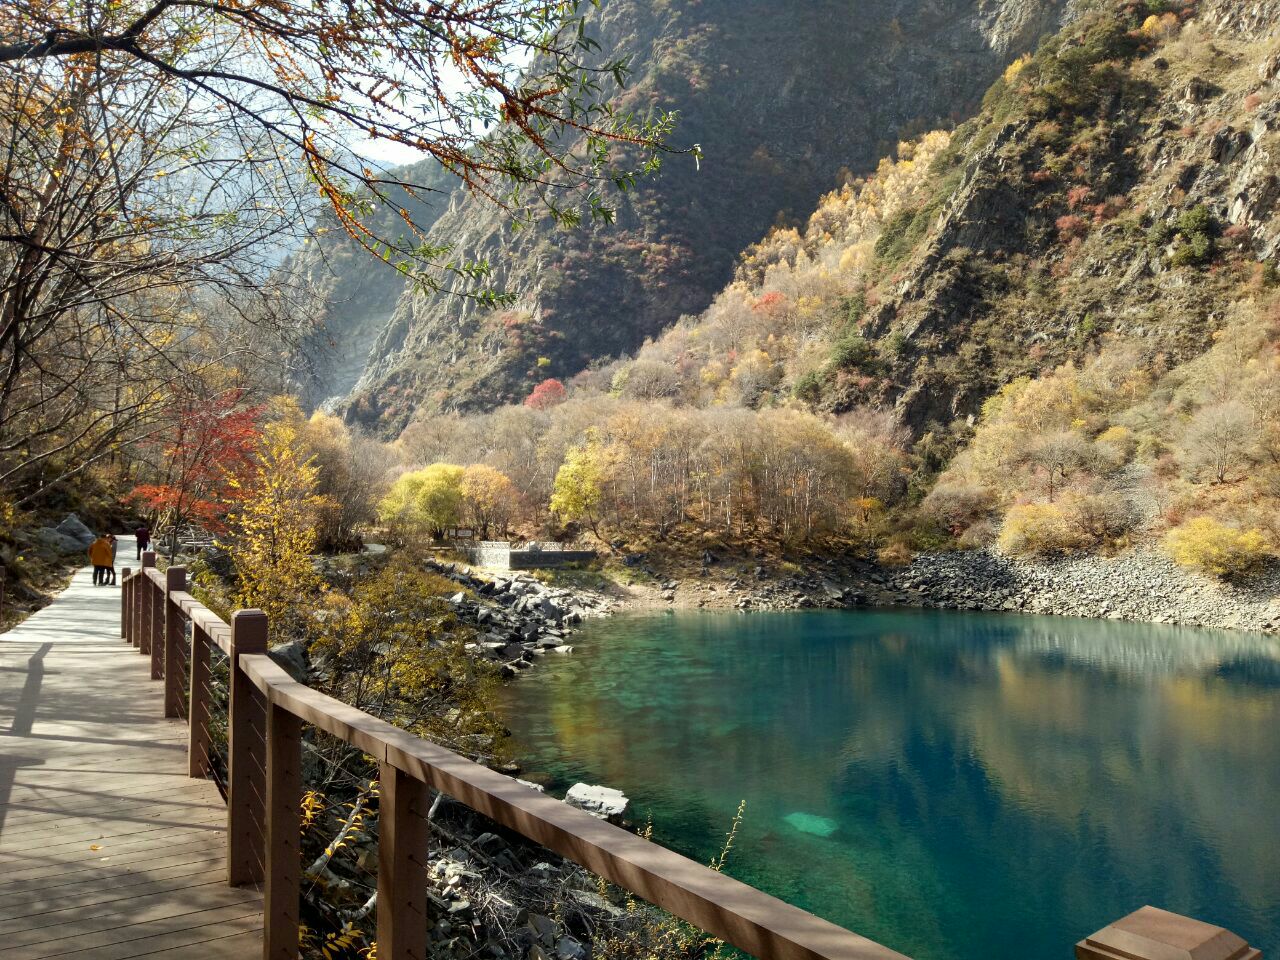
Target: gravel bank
[[1142, 586]]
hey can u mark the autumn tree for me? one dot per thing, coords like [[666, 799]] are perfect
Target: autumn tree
[[119, 226], [546, 394], [273, 532], [210, 446], [511, 96], [1218, 441], [351, 475], [395, 649], [424, 502], [579, 488], [489, 499]]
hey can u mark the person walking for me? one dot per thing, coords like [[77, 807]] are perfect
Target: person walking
[[144, 538], [100, 557], [115, 544]]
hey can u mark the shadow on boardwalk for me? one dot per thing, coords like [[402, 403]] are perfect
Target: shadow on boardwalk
[[107, 849]]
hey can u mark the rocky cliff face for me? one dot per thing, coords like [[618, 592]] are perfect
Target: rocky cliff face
[[351, 295], [785, 97], [1068, 213]]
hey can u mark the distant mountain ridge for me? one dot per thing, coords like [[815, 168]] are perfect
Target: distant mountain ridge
[[784, 97]]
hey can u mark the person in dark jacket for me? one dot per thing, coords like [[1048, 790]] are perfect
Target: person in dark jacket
[[144, 539]]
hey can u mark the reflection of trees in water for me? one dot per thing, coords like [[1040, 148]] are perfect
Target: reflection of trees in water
[[1163, 785], [1060, 772], [1148, 650]]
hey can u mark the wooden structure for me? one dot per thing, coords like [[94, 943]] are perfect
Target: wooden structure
[[268, 710], [108, 849], [183, 875], [1154, 934]]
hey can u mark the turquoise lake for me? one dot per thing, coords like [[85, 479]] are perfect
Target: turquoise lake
[[955, 786]]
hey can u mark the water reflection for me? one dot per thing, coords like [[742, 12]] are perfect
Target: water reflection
[[985, 786]]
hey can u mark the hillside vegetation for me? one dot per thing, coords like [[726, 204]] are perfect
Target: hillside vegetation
[[1053, 328], [785, 98]]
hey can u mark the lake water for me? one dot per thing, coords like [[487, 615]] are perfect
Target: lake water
[[955, 786]]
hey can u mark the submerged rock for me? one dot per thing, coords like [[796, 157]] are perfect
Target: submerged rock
[[811, 823]]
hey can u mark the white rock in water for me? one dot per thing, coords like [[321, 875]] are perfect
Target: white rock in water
[[603, 802]]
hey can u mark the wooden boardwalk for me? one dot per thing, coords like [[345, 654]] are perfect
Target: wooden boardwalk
[[107, 849]]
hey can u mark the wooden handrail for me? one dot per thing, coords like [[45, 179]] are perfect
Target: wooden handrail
[[263, 843], [264, 787]]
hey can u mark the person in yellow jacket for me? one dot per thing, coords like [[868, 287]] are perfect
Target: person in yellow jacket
[[100, 556]]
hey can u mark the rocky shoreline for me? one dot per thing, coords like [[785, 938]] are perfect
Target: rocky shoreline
[[518, 618], [1141, 586]]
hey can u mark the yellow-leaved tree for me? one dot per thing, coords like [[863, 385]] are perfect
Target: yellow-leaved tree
[[273, 532], [580, 483], [424, 502]]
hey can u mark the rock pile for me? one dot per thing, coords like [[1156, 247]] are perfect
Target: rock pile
[[766, 589], [496, 894], [1141, 586], [518, 618]]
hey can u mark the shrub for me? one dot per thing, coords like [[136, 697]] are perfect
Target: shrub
[[957, 506], [809, 388], [1038, 529], [547, 394], [852, 350], [900, 234], [1071, 226], [1117, 444], [895, 553], [1205, 544], [981, 534], [1197, 229], [1099, 519]]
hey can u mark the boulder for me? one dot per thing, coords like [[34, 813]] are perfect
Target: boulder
[[292, 659], [72, 527], [604, 803], [59, 541]]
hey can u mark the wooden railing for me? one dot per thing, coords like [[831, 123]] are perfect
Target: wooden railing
[[263, 787], [261, 777]]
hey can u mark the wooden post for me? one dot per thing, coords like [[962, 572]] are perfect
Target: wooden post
[[133, 610], [175, 635], [246, 749], [157, 631], [284, 853], [145, 606], [198, 743], [126, 608], [403, 835], [1153, 934]]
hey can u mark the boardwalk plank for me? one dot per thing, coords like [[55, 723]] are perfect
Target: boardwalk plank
[[86, 759]]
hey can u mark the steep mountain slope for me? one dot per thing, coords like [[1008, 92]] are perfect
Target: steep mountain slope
[[351, 294], [1122, 182], [782, 96], [1119, 185]]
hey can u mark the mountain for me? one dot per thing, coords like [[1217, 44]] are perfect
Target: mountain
[[786, 97], [352, 295], [1118, 183], [1071, 302]]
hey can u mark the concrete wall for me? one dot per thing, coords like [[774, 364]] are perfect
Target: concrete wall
[[535, 559], [497, 555]]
